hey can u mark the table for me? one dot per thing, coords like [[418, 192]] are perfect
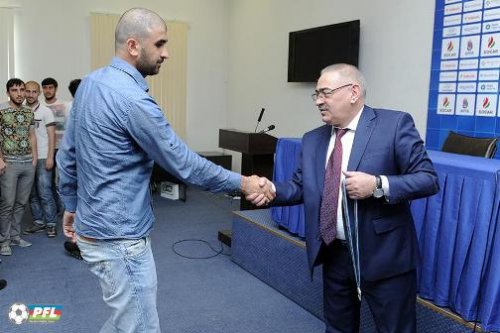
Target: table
[[457, 234], [290, 218], [457, 231]]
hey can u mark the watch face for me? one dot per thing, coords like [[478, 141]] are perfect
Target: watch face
[[379, 193]]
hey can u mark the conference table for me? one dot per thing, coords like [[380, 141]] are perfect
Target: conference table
[[457, 231]]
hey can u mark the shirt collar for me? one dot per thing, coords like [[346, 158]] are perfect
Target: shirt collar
[[122, 65], [353, 124]]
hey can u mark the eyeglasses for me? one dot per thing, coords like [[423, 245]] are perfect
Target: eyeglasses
[[327, 92]]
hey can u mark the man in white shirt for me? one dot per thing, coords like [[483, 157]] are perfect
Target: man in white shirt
[[43, 206], [58, 107], [60, 110]]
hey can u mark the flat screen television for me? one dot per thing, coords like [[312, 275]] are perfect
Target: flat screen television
[[309, 51]]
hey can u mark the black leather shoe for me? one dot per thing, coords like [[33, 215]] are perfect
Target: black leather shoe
[[3, 284], [73, 250]]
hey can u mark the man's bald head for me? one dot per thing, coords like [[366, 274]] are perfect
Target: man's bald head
[[349, 72], [136, 23]]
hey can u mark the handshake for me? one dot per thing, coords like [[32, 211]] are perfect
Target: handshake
[[258, 190]]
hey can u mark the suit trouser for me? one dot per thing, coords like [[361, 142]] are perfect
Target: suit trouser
[[392, 301]]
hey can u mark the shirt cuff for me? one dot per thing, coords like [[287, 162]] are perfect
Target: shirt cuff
[[69, 203], [385, 185]]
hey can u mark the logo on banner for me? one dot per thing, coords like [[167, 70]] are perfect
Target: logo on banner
[[486, 105], [467, 102], [490, 46], [470, 47], [449, 48], [491, 42], [446, 104]]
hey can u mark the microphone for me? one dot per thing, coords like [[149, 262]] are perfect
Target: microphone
[[267, 129], [260, 118]]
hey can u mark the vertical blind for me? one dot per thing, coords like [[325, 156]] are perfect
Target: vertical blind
[[168, 87], [6, 45]]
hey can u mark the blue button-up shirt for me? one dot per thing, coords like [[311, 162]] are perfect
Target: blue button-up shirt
[[115, 132]]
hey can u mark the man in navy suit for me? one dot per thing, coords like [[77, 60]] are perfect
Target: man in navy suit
[[384, 166]]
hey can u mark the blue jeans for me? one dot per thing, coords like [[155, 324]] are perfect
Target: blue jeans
[[43, 205], [127, 274]]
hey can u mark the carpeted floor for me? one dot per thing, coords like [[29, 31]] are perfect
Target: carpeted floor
[[194, 295]]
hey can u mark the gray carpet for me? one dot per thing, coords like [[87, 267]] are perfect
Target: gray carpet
[[194, 296]]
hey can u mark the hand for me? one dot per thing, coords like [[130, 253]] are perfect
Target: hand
[[69, 230], [359, 185], [49, 164], [260, 199], [257, 190]]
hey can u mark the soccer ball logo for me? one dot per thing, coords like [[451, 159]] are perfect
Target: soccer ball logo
[[18, 313]]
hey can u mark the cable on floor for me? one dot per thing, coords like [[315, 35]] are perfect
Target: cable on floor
[[215, 251]]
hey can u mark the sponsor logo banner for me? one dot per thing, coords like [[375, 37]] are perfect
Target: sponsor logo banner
[[489, 63], [491, 3], [449, 65], [489, 75], [465, 105], [491, 14], [492, 26], [469, 64], [471, 29], [473, 5], [449, 48], [447, 87], [446, 104], [490, 45], [469, 47], [453, 9], [447, 76], [488, 87], [466, 87], [486, 105], [467, 76], [451, 31], [472, 17], [452, 20]]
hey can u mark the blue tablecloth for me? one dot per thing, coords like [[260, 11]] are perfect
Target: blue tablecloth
[[287, 155], [456, 229], [457, 233]]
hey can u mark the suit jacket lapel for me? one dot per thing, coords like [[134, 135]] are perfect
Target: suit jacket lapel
[[363, 133], [324, 140]]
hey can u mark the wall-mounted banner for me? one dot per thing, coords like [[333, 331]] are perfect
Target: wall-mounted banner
[[465, 72]]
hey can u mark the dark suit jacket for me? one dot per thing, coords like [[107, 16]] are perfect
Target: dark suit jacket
[[386, 143]]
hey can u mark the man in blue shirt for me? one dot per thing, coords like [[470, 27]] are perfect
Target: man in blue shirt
[[115, 132]]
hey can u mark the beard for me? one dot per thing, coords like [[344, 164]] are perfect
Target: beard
[[146, 65]]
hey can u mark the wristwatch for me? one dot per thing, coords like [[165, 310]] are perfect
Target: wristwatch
[[379, 191]]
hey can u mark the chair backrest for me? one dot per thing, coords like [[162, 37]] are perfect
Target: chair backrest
[[467, 145]]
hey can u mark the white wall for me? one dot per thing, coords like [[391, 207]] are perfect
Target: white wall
[[52, 39], [395, 56], [238, 53]]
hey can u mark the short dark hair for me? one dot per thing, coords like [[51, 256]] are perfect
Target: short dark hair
[[73, 85], [14, 82], [48, 81]]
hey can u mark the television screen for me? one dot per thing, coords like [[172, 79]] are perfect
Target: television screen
[[313, 49]]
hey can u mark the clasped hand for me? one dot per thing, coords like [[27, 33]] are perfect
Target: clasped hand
[[258, 190]]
